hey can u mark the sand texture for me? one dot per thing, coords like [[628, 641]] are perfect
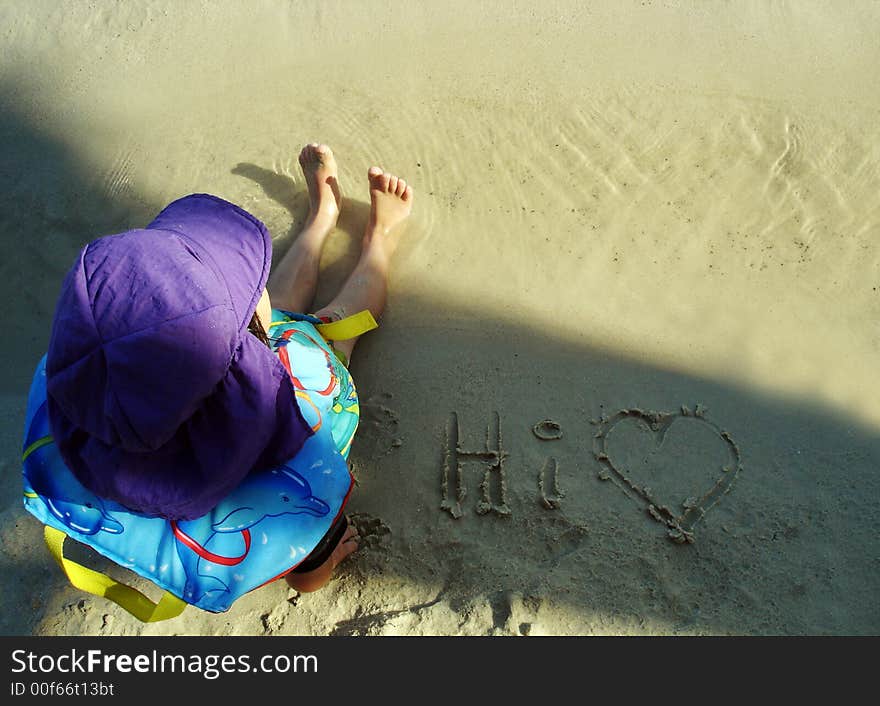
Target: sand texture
[[626, 381]]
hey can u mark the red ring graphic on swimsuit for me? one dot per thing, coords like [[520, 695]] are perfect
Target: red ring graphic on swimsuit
[[188, 541], [285, 361]]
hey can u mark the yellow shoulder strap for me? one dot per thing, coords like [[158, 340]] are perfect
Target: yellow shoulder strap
[[349, 327], [98, 584]]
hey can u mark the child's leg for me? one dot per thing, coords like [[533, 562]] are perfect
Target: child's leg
[[390, 203], [317, 578], [293, 281]]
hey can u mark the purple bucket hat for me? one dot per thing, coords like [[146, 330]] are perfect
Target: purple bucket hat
[[158, 395]]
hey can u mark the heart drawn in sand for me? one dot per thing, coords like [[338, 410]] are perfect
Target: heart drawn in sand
[[680, 464]]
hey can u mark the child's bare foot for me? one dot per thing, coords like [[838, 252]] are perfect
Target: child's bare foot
[[325, 200], [309, 581], [391, 200]]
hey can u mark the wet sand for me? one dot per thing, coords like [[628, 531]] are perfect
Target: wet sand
[[654, 226]]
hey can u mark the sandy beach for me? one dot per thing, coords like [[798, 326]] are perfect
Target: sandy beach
[[626, 382]]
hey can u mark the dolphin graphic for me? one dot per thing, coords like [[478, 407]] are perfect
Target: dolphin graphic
[[281, 491], [66, 498], [203, 542], [87, 519]]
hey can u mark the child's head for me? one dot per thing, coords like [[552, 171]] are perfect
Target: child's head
[[159, 397]]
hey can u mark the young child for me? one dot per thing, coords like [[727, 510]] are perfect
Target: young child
[[163, 392]]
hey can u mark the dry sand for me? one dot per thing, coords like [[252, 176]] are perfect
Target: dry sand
[[620, 205]]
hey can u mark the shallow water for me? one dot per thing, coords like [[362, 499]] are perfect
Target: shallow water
[[696, 187], [690, 190]]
